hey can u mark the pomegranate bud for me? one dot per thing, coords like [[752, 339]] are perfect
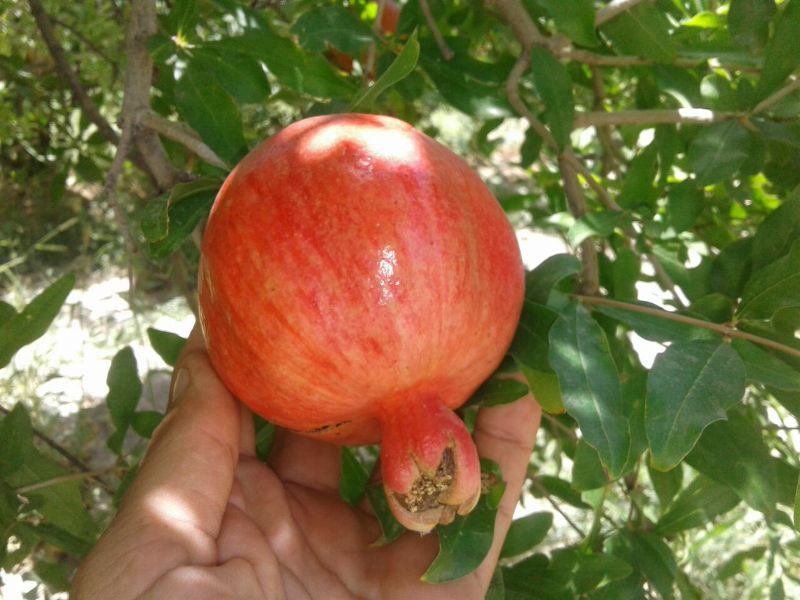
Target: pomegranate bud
[[429, 464]]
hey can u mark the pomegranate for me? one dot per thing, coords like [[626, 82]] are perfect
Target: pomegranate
[[357, 283]]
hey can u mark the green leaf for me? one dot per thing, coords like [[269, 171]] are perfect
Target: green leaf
[[559, 488], [731, 268], [60, 504], [144, 422], [735, 564], [595, 224], [124, 391], [6, 312], [531, 148], [354, 477], [16, 440], [526, 533], [541, 281], [691, 385], [304, 72], [32, 322], [496, 391], [590, 387], [574, 19], [718, 152], [685, 204], [596, 569], [651, 326], [154, 220], [639, 189], [698, 504], [666, 484], [796, 512], [189, 203], [782, 54], [766, 369], [238, 74], [464, 543], [587, 470], [748, 22], [773, 287], [265, 437], [544, 387], [401, 67], [60, 538], [332, 25], [554, 86], [776, 234], [733, 452], [211, 111], [391, 529], [642, 30], [167, 345], [530, 344]]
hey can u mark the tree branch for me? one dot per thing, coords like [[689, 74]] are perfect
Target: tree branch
[[612, 9], [776, 97], [444, 49], [693, 116], [181, 133], [725, 330], [45, 26]]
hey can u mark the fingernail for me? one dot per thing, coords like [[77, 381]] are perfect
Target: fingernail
[[179, 385]]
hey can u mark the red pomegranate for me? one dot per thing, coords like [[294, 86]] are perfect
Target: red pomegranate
[[358, 281]]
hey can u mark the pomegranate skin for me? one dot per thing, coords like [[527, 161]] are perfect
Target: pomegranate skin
[[352, 270]]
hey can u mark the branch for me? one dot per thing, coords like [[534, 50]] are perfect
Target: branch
[[725, 330], [612, 9], [773, 99], [694, 116], [445, 50], [181, 133], [45, 26]]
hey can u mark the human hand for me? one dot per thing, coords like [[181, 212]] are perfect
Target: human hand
[[205, 518]]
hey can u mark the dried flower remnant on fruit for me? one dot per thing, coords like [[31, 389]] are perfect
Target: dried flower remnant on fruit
[[427, 490]]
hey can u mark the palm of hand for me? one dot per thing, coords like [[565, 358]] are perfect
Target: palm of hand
[[206, 519]]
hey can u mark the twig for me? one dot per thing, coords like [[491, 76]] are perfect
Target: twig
[[40, 485], [541, 489], [559, 425], [17, 260], [138, 80], [612, 9], [71, 458], [696, 116], [45, 26], [444, 49], [725, 330], [776, 97], [183, 134]]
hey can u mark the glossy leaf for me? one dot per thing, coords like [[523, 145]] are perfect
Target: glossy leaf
[[401, 67], [796, 512], [748, 22], [733, 452], [167, 345], [642, 31], [530, 344], [593, 570], [124, 391], [587, 470], [718, 151], [526, 533], [732, 267], [16, 440], [666, 484], [144, 422], [782, 54], [544, 387], [187, 205], [554, 86], [496, 391], [211, 111], [238, 74], [354, 477], [777, 232], [595, 224], [464, 543], [6, 312], [390, 527], [696, 505], [332, 25], [685, 204], [767, 369], [541, 281], [32, 322], [690, 386], [773, 287], [574, 19], [590, 387], [638, 188], [559, 488], [650, 325]]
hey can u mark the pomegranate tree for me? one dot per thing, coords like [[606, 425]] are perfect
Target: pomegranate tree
[[358, 281]]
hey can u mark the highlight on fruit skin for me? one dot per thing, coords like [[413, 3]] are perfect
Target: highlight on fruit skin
[[358, 281]]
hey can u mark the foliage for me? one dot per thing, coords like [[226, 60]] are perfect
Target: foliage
[[660, 143]]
